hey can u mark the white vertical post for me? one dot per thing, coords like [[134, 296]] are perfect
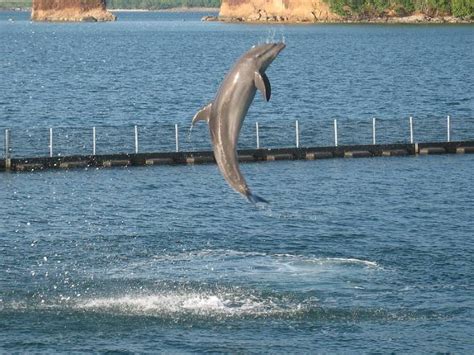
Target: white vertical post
[[176, 136], [7, 144], [449, 128], [335, 133], [7, 150], [136, 139], [51, 142], [297, 127], [373, 131], [411, 130], [93, 140], [257, 134]]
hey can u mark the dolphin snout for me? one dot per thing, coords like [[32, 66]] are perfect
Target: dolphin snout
[[279, 47], [275, 49]]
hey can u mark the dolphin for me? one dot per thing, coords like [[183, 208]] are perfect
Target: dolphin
[[226, 113]]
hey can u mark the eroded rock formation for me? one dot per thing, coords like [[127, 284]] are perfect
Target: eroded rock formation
[[294, 11], [277, 11], [70, 10]]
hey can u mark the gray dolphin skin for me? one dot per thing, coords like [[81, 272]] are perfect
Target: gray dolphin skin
[[226, 113]]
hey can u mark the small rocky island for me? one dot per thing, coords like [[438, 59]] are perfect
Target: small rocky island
[[70, 11], [313, 11], [276, 11]]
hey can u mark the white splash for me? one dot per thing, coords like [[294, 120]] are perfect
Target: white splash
[[271, 36], [253, 265], [353, 261], [193, 303]]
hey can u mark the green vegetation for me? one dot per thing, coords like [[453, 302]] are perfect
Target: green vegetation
[[12, 4], [371, 8], [462, 8]]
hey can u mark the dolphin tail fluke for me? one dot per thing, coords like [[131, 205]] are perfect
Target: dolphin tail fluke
[[255, 198]]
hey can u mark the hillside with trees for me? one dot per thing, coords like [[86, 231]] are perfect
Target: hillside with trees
[[377, 8], [357, 9]]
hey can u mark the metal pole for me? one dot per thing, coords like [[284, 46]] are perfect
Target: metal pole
[[93, 140], [7, 150], [411, 130], [176, 136], [297, 134], [7, 144], [449, 128], [258, 135], [373, 131], [51, 142], [335, 133], [136, 139]]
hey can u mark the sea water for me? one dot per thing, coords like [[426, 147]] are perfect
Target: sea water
[[351, 255]]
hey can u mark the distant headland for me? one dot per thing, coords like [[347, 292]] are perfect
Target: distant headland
[[61, 10], [262, 11], [346, 11], [70, 11]]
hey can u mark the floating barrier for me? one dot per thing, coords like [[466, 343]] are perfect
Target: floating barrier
[[206, 156], [248, 155]]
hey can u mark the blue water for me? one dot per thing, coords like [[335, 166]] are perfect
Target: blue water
[[351, 255], [155, 70]]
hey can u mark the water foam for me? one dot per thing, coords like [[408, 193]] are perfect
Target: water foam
[[190, 306], [352, 261], [294, 272], [212, 264], [191, 303], [224, 254]]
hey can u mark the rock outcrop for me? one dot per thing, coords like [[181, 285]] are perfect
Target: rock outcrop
[[310, 11], [277, 11], [70, 10]]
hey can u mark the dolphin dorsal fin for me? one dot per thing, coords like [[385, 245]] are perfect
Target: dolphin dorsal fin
[[203, 114], [263, 84]]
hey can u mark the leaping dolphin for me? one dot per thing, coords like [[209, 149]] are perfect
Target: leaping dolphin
[[226, 113]]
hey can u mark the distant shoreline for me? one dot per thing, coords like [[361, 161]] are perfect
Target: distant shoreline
[[16, 9], [409, 20], [172, 9]]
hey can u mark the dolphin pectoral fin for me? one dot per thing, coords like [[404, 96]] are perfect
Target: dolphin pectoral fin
[[203, 114], [263, 84]]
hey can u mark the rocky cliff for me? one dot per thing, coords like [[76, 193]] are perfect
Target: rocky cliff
[[70, 10], [277, 10], [393, 11]]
